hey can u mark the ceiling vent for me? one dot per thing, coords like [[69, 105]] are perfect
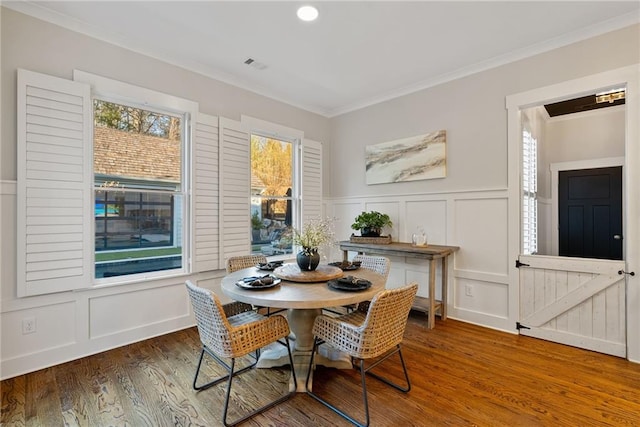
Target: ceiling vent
[[255, 64]]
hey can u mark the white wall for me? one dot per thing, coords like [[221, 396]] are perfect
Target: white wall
[[583, 136], [70, 325], [472, 201]]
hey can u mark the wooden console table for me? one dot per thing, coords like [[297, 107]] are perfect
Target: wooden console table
[[431, 253]]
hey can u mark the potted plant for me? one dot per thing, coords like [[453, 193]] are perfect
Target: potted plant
[[256, 226], [371, 223]]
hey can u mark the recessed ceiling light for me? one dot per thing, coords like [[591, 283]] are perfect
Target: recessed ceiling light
[[308, 13]]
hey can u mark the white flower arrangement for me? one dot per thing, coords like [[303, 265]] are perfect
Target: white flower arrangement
[[315, 232]]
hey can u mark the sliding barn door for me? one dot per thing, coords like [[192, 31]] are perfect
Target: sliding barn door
[[574, 301]]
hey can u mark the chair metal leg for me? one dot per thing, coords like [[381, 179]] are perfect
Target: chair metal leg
[[230, 376], [344, 415], [385, 380], [279, 310], [221, 362], [363, 372]]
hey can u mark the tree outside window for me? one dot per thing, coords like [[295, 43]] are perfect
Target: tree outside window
[[272, 190]]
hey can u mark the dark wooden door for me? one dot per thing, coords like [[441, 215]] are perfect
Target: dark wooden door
[[590, 213]]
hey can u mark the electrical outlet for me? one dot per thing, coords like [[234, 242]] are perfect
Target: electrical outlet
[[28, 325], [468, 290]]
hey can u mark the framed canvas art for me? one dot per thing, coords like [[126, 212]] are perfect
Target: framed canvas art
[[408, 159]]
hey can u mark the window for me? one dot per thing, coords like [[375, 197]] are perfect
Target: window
[[140, 222], [530, 193], [139, 211], [272, 195], [139, 193]]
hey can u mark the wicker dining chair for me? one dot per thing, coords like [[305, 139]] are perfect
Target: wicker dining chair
[[236, 263], [379, 264], [364, 335], [227, 334]]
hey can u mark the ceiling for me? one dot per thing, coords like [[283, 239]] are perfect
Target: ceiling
[[355, 54]]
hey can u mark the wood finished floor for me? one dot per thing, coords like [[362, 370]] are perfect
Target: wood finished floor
[[462, 375]]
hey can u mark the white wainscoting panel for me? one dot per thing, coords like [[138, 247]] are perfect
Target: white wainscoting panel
[[418, 271], [481, 233], [476, 221], [391, 208], [486, 297], [344, 214], [431, 215], [118, 313], [55, 327]]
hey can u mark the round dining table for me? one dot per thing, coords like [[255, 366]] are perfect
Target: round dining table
[[304, 295]]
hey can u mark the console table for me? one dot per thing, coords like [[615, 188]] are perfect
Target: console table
[[432, 253]]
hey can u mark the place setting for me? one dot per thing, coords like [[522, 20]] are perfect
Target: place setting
[[346, 265], [258, 282], [269, 266], [349, 283]]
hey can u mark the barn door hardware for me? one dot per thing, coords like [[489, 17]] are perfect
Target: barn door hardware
[[521, 326], [631, 273]]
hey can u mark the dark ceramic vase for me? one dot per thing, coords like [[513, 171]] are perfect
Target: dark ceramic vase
[[308, 259]]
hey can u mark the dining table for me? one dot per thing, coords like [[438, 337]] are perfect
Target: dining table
[[304, 294]]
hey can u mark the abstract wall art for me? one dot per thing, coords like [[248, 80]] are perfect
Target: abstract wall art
[[408, 159]]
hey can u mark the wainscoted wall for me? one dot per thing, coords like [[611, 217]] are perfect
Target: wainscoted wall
[[474, 221], [70, 325]]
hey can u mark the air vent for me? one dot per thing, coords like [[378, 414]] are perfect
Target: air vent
[[255, 64]]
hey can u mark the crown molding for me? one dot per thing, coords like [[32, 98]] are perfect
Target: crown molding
[[536, 49]]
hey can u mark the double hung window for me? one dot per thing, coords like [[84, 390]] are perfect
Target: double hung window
[[140, 212], [273, 189], [139, 190]]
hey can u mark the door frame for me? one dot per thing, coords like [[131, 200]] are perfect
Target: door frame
[[556, 168], [630, 78]]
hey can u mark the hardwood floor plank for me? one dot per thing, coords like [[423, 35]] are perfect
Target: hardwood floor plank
[[461, 374], [135, 409], [12, 410]]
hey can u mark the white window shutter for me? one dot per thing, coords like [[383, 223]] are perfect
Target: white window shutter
[[311, 191], [55, 185], [206, 197], [235, 181]]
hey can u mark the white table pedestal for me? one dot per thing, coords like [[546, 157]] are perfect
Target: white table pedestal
[[301, 324]]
